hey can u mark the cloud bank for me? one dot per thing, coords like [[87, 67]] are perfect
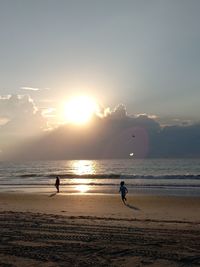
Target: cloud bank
[[113, 135]]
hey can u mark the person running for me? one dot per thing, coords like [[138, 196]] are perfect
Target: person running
[[57, 183], [123, 190]]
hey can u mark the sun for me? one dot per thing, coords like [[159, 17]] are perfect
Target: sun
[[80, 109]]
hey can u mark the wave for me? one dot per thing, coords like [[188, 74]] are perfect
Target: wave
[[167, 177], [107, 185], [111, 176], [69, 175]]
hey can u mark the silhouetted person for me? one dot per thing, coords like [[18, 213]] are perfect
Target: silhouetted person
[[123, 190], [57, 183]]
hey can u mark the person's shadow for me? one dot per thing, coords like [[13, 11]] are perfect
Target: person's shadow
[[131, 206], [52, 195]]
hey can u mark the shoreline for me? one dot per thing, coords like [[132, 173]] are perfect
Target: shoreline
[[179, 191]]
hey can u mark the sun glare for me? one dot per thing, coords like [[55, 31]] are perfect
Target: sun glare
[[82, 188], [79, 110], [82, 167]]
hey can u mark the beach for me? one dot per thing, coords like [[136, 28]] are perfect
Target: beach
[[98, 230]]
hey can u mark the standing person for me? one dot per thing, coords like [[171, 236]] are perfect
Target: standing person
[[123, 190], [57, 183]]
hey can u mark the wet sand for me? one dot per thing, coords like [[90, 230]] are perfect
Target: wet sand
[[98, 230]]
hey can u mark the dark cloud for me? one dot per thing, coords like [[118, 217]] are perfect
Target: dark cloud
[[115, 135], [176, 141], [107, 137]]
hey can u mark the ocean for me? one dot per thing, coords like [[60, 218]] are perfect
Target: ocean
[[176, 177]]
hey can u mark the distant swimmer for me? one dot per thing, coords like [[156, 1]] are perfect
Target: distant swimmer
[[133, 135], [57, 183], [123, 190]]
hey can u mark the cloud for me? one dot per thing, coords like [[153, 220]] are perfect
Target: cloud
[[147, 115], [110, 136], [29, 88], [177, 141], [19, 119], [48, 112], [118, 112], [16, 105], [4, 96], [114, 135], [3, 120]]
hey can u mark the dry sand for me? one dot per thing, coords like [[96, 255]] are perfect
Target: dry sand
[[98, 230]]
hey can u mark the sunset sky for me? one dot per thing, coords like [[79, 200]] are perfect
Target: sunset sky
[[142, 54]]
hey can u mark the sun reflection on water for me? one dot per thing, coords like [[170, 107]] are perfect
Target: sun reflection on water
[[83, 167], [82, 188]]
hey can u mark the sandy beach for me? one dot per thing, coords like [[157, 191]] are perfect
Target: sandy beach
[[98, 230]]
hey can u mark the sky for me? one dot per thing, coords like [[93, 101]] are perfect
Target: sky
[[142, 54]]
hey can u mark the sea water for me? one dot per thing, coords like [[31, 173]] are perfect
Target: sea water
[[146, 176]]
